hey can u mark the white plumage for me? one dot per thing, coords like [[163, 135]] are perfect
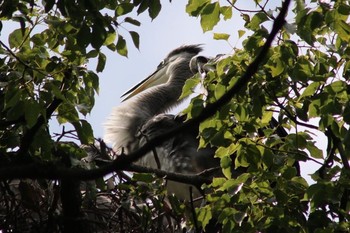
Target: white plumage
[[141, 116]]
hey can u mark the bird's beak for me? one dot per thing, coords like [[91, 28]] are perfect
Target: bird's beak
[[156, 78]]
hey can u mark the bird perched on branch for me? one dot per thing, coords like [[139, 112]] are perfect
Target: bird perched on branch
[[142, 116]]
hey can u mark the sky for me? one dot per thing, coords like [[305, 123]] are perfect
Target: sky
[[171, 29]]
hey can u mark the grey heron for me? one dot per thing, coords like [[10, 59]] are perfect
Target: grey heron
[[143, 114]]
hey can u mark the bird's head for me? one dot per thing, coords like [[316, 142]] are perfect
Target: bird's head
[[177, 66]]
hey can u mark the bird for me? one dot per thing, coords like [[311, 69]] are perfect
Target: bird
[[144, 114]]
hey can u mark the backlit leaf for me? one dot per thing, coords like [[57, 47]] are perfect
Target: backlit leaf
[[210, 16], [135, 39], [132, 21], [121, 46], [101, 62], [221, 36]]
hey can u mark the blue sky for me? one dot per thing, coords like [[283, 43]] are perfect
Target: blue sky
[[172, 28]]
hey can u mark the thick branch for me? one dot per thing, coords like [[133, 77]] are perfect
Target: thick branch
[[50, 171], [193, 179]]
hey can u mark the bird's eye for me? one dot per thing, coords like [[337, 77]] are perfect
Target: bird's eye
[[161, 64]]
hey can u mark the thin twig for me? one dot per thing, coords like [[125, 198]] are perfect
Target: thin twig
[[193, 211], [20, 60]]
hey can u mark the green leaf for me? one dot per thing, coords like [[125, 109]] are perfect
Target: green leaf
[[204, 215], [67, 113], [98, 36], [84, 131], [92, 53], [144, 177], [195, 108], [302, 70], [189, 86], [16, 38], [210, 16], [92, 79], [226, 151], [218, 182], [154, 8], [343, 30], [101, 62], [121, 46], [124, 8], [314, 151], [194, 7], [132, 21], [135, 39], [12, 98], [220, 90], [221, 36], [311, 89], [226, 165], [241, 33], [276, 67], [266, 118], [110, 38], [257, 19], [336, 87], [31, 112], [38, 39], [226, 11], [84, 36], [16, 111], [143, 6]]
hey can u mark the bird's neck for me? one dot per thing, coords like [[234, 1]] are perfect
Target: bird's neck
[[159, 99], [126, 119]]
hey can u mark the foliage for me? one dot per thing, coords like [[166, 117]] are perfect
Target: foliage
[[302, 81]]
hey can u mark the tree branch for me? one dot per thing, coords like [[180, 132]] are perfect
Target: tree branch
[[52, 171], [338, 144]]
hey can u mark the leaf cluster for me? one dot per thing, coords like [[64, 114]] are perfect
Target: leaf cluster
[[303, 83], [301, 86]]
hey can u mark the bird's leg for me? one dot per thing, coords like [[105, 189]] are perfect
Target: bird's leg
[[155, 154], [156, 157]]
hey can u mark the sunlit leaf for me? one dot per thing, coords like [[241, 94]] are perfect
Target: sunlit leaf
[[110, 38], [204, 215], [210, 16], [311, 89], [221, 36], [226, 11], [241, 33], [194, 7], [257, 20], [226, 165]]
